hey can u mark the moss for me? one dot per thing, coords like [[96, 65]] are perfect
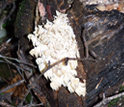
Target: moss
[[24, 19], [121, 89], [22, 4], [118, 100], [20, 13], [113, 102], [28, 98]]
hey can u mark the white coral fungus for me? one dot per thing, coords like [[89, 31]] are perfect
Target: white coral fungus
[[53, 42]]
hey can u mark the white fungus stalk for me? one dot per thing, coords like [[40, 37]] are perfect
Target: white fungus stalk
[[53, 42]]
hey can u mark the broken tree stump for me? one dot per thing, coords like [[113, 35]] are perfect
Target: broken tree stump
[[104, 34]]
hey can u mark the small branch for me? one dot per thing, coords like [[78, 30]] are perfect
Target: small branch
[[9, 69], [14, 59], [99, 83], [21, 74], [58, 62], [23, 69], [11, 86], [3, 5], [107, 100], [4, 80], [93, 54], [24, 98]]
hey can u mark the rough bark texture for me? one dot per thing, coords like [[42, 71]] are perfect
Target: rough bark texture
[[104, 33], [105, 36]]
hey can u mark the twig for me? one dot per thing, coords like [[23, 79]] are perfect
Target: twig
[[20, 73], [58, 62], [15, 64], [9, 69], [7, 60], [32, 95], [24, 98], [99, 83], [11, 86], [4, 79], [4, 5], [107, 100], [14, 59], [93, 54], [2, 61], [11, 12], [5, 104]]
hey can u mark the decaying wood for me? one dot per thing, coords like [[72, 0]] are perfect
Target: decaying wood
[[104, 36], [104, 33]]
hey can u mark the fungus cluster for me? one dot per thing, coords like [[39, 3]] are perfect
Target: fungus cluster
[[52, 42]]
